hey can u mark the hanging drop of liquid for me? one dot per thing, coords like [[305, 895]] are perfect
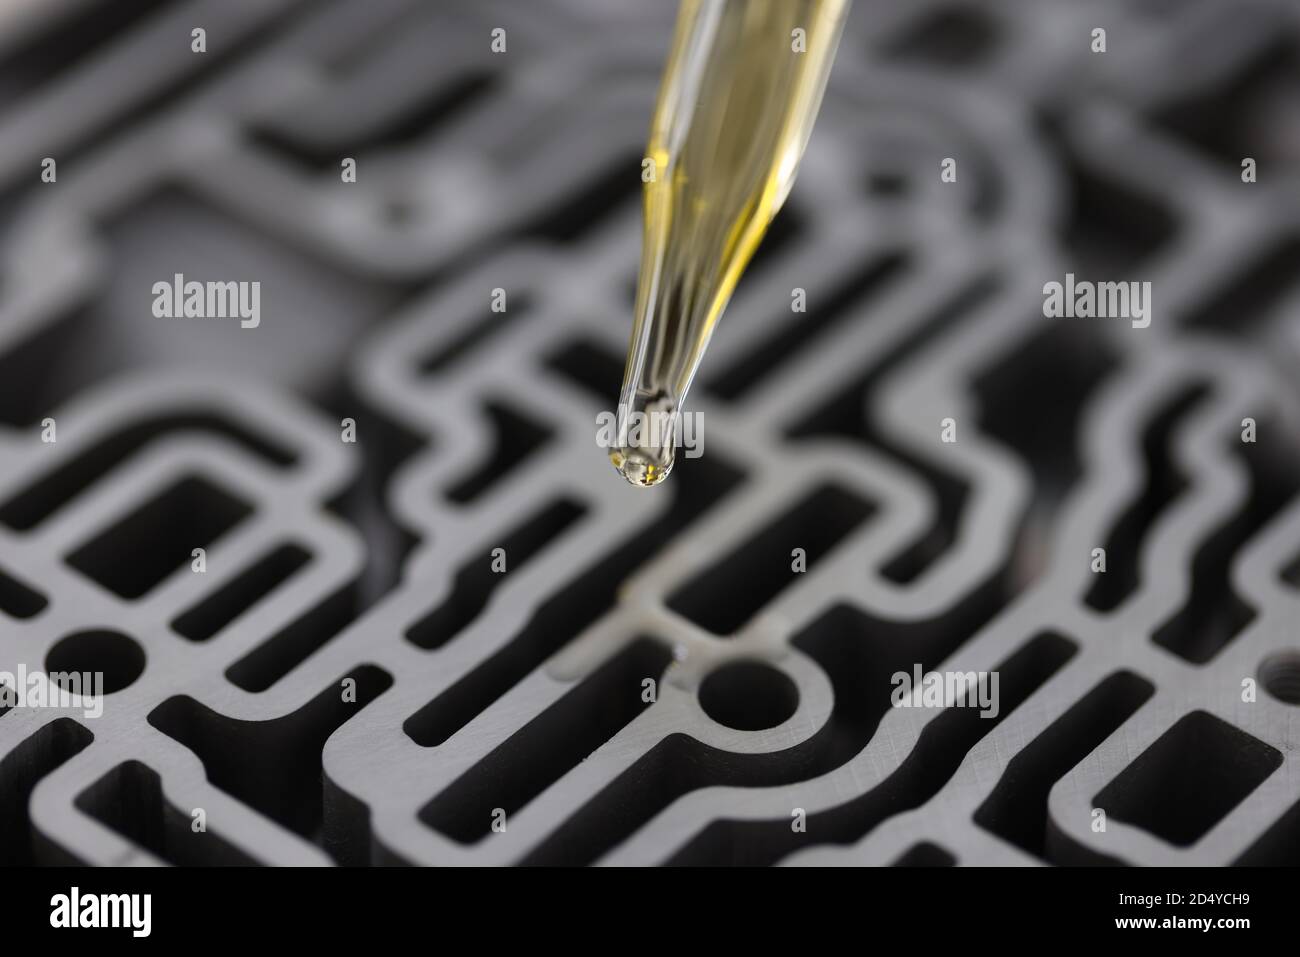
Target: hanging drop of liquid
[[740, 93]]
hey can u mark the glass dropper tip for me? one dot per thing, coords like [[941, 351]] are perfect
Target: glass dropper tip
[[640, 468], [733, 117], [645, 448]]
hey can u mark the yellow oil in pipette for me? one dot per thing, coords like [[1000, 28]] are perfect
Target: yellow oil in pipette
[[741, 90]]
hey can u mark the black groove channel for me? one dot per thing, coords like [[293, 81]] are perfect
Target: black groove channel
[[1164, 483], [591, 593], [557, 740], [942, 747], [1016, 810], [858, 652], [845, 414], [727, 595]]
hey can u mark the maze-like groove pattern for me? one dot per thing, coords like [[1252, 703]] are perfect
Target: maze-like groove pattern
[[472, 691]]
